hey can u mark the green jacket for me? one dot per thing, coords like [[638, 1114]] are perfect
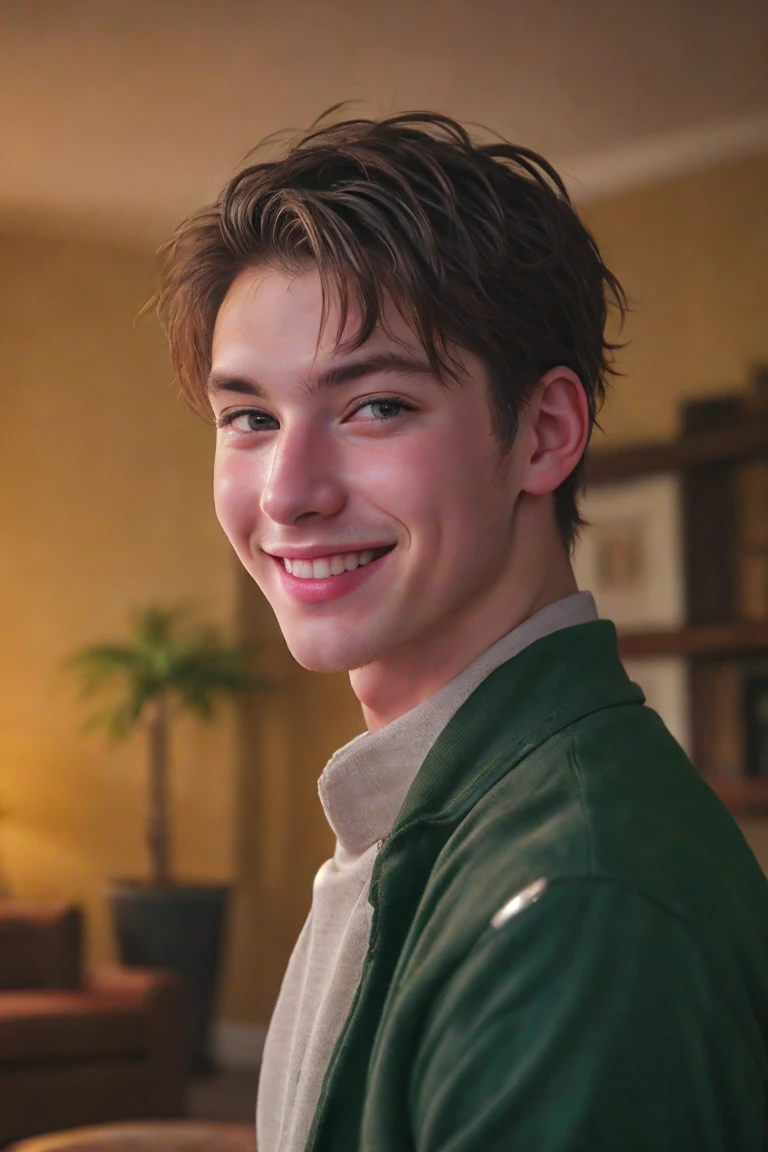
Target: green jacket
[[622, 1002]]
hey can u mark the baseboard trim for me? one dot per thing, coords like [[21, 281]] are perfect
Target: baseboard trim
[[238, 1045]]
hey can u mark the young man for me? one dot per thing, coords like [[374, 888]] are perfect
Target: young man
[[539, 931]]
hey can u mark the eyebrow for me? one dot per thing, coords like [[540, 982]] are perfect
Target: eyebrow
[[338, 374]]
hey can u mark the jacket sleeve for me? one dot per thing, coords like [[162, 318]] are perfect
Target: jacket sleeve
[[591, 1021]]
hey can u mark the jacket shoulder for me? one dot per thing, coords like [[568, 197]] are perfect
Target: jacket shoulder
[[614, 798]]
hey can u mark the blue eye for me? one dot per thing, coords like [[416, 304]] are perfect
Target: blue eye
[[248, 420], [257, 421], [385, 409]]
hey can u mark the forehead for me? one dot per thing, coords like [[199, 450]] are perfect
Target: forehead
[[274, 318]]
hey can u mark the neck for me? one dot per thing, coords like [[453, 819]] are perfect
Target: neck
[[536, 575]]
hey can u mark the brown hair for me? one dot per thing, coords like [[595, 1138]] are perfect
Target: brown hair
[[478, 245]]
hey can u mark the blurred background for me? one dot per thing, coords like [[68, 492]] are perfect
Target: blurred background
[[117, 117]]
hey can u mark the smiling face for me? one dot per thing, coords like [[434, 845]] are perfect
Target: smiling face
[[369, 501]]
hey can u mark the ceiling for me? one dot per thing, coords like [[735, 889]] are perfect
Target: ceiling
[[125, 114]]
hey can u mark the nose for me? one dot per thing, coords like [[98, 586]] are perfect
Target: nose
[[304, 477]]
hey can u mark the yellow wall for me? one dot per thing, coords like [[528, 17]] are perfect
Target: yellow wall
[[104, 505], [692, 254]]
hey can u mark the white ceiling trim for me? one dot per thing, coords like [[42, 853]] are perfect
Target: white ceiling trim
[[649, 160], [665, 156]]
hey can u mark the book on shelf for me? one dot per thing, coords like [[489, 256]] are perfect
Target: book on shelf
[[751, 544], [708, 543], [756, 724], [726, 516]]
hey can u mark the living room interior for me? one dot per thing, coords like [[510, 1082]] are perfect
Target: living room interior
[[116, 120]]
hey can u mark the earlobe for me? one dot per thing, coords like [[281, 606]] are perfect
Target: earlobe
[[558, 424]]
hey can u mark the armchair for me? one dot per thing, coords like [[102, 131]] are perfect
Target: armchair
[[80, 1048]]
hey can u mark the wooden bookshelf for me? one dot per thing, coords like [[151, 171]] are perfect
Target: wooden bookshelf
[[737, 639], [728, 444], [710, 456]]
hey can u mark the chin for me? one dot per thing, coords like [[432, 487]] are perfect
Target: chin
[[325, 655]]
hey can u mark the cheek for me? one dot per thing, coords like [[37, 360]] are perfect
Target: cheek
[[235, 495], [451, 474], [406, 480], [471, 493]]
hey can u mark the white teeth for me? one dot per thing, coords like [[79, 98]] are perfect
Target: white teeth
[[326, 566]]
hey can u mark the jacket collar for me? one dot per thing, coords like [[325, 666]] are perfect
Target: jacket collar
[[548, 686]]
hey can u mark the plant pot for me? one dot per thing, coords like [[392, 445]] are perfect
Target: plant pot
[[178, 926]]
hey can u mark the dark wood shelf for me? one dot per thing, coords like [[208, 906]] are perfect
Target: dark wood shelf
[[722, 434], [748, 796], [736, 639], [739, 443]]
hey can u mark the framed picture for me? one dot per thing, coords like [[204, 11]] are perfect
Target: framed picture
[[630, 557], [630, 553]]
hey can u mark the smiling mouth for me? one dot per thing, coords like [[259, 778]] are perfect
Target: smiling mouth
[[325, 566]]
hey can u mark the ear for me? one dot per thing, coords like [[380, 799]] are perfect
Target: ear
[[553, 431]]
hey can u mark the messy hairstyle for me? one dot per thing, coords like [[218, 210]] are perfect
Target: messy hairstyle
[[477, 244]]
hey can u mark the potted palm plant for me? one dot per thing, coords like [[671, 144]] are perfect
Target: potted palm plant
[[166, 665]]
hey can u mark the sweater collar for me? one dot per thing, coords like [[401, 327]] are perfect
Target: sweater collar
[[364, 785]]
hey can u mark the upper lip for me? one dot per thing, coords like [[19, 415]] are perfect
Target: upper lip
[[316, 551]]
